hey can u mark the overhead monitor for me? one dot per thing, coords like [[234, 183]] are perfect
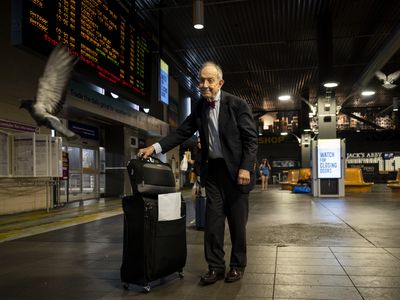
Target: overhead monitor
[[329, 158], [112, 45]]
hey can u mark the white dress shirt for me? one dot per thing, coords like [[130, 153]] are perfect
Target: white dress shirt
[[214, 143], [214, 148]]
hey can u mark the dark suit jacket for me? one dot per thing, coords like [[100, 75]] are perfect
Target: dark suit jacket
[[237, 132]]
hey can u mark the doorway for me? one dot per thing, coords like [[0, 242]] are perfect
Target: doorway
[[84, 174]]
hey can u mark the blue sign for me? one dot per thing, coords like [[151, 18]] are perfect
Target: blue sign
[[83, 130], [164, 82]]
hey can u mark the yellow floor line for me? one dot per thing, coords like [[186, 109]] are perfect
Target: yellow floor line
[[32, 216], [24, 232]]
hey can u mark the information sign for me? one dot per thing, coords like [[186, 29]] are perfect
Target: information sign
[[164, 97], [329, 158], [112, 45]]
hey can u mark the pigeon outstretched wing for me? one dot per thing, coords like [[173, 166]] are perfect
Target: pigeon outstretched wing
[[56, 124], [380, 76], [50, 95], [392, 77]]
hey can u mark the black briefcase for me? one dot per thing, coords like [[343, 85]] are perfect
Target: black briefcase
[[150, 177]]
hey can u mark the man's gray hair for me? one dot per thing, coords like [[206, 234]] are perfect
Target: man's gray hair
[[211, 63]]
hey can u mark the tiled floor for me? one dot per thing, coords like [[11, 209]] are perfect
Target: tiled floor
[[299, 247]]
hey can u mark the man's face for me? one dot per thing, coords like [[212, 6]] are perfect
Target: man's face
[[210, 84]]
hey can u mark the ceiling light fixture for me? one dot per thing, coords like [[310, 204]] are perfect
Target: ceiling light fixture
[[330, 84], [367, 93], [395, 104], [198, 14], [115, 96], [284, 97]]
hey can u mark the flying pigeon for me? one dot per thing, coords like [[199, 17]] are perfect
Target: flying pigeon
[[388, 80], [50, 95]]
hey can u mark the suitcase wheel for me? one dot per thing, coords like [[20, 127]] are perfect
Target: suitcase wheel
[[181, 274], [125, 285], [147, 289]]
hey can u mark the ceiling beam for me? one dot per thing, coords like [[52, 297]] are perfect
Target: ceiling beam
[[380, 59], [365, 121]]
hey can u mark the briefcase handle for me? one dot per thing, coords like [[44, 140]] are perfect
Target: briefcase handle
[[149, 158]]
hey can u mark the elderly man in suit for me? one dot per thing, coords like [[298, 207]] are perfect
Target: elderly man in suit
[[229, 139]]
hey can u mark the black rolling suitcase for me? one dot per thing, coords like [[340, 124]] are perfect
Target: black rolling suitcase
[[152, 249]]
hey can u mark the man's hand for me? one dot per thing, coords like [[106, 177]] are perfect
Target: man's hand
[[243, 177], [145, 152]]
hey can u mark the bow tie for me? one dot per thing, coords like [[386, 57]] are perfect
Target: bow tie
[[211, 103]]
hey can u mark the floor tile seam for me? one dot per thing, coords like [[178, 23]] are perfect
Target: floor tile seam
[[387, 266], [312, 284], [275, 269], [338, 275], [302, 298], [378, 287], [351, 280], [386, 276], [263, 264], [311, 274], [255, 272], [323, 249], [365, 254], [308, 265], [391, 288], [391, 254], [371, 259], [306, 258], [351, 227]]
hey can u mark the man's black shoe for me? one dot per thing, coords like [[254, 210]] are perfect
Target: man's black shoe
[[211, 277], [233, 275]]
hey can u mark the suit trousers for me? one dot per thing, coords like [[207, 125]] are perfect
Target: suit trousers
[[224, 201]]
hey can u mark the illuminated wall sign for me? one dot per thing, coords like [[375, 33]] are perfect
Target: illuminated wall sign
[[113, 49], [163, 82], [83, 130], [364, 155], [329, 161], [270, 140]]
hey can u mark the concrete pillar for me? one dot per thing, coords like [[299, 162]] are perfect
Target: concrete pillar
[[327, 116], [305, 150]]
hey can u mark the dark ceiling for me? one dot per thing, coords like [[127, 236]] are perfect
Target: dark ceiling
[[270, 47]]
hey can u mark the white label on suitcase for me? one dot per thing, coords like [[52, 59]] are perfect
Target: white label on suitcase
[[169, 206]]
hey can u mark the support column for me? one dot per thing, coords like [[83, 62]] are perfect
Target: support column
[[327, 116], [306, 150]]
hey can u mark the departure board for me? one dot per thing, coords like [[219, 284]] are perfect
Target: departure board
[[113, 47]]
